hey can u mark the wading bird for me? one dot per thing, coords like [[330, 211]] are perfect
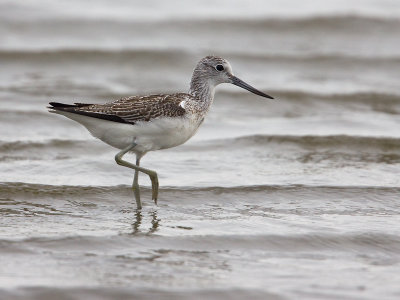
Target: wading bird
[[141, 124]]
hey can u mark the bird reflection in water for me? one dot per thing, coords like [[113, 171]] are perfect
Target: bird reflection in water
[[138, 222]]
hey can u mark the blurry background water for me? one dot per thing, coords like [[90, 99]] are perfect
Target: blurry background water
[[285, 199]]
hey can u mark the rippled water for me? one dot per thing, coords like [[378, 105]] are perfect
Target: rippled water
[[296, 198]]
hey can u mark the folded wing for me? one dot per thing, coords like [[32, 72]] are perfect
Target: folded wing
[[130, 109]]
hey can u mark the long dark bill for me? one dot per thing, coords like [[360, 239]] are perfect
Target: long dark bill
[[242, 84]]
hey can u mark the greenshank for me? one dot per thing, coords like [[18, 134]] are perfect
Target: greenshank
[[140, 124]]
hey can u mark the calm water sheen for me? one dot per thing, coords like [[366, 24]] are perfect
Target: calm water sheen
[[297, 198]]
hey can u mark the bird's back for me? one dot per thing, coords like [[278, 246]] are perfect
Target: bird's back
[[153, 122], [129, 109]]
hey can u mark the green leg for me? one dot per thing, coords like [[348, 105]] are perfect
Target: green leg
[[152, 174], [135, 186]]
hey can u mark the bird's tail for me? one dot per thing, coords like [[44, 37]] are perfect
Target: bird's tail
[[64, 107]]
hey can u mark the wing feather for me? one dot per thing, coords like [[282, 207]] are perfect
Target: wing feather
[[131, 109]]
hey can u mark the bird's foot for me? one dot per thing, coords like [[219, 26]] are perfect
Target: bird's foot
[[154, 186]]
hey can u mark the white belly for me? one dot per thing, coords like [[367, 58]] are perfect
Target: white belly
[[164, 133], [158, 134]]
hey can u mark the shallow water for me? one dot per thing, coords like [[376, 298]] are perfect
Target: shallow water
[[286, 199]]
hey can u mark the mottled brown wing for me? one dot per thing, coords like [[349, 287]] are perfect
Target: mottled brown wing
[[131, 109], [146, 108]]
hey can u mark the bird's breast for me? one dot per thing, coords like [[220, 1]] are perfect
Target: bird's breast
[[166, 133]]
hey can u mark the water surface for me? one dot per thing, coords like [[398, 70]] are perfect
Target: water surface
[[286, 199]]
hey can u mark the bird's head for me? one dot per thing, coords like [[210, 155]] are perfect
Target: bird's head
[[216, 70]]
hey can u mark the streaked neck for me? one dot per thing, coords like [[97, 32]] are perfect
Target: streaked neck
[[202, 88]]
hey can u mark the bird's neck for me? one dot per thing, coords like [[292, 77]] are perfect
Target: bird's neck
[[202, 89]]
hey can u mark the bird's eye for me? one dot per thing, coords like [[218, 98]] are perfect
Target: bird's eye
[[219, 67]]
